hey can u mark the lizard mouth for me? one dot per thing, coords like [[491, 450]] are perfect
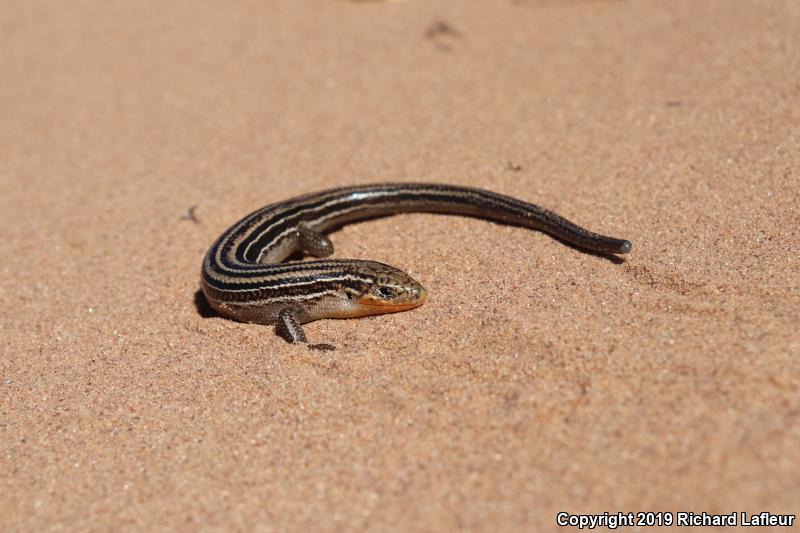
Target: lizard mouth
[[411, 300]]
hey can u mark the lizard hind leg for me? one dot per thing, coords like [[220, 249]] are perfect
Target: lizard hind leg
[[314, 243]]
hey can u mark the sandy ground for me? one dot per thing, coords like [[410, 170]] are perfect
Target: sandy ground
[[536, 378]]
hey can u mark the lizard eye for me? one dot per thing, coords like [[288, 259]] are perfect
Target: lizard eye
[[385, 292]]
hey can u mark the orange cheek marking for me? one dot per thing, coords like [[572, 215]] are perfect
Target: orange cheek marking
[[393, 308], [371, 307]]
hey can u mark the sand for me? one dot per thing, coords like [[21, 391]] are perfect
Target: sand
[[536, 378]]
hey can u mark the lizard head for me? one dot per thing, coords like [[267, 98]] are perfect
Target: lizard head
[[384, 289]]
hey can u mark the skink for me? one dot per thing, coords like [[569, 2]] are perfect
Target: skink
[[243, 277]]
